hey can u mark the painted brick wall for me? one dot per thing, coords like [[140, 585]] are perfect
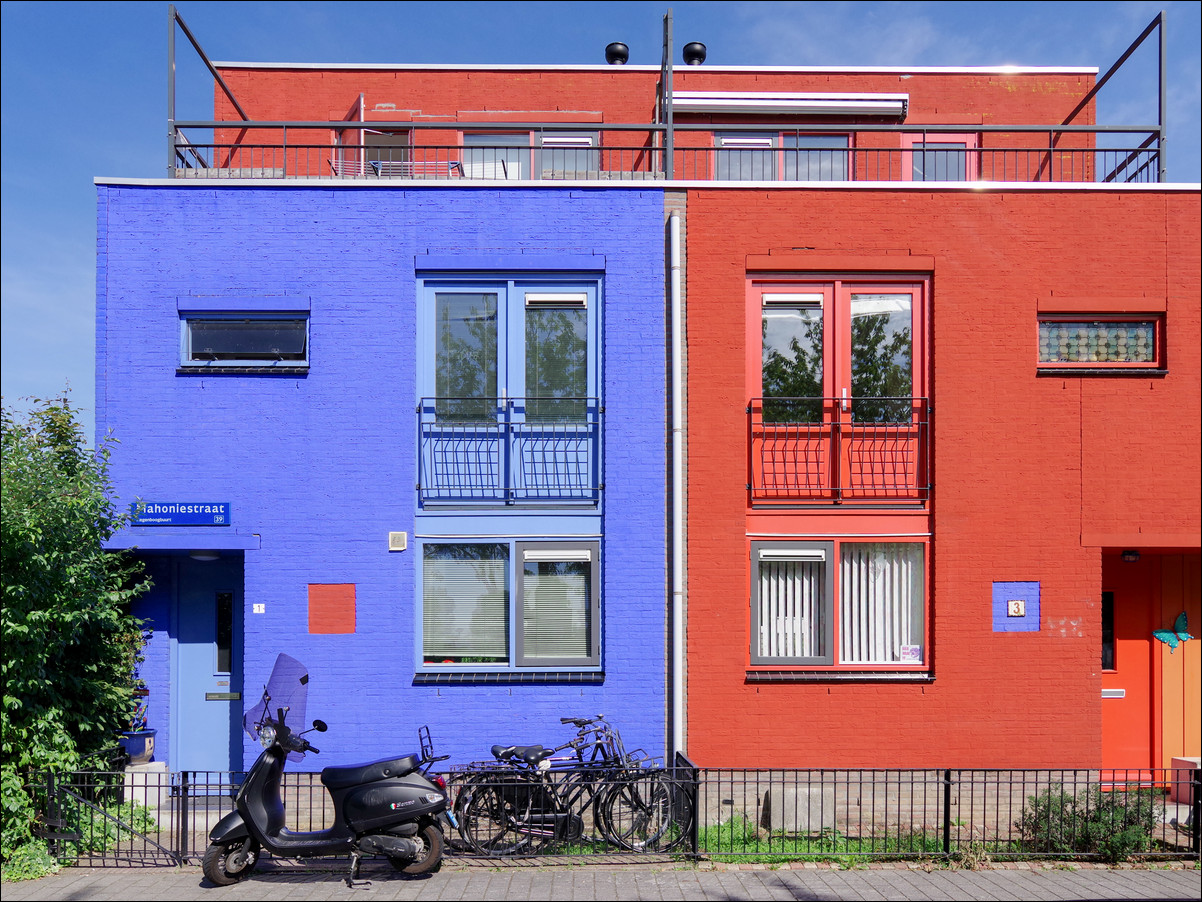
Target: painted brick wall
[[322, 467], [1023, 467], [627, 94]]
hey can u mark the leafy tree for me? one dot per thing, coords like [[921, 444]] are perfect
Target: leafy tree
[[70, 643]]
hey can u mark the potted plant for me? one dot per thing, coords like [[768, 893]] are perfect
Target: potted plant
[[138, 739]]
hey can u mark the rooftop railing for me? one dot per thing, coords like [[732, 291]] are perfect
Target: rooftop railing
[[786, 154]]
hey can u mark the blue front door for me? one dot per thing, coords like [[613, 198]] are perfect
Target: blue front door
[[207, 713]]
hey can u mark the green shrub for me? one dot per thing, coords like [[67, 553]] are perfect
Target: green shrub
[[28, 862], [70, 645], [103, 829], [1113, 825]]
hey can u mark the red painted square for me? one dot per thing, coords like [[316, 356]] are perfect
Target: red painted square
[[332, 608]]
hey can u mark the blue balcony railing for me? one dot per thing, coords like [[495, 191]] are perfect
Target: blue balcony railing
[[509, 451]]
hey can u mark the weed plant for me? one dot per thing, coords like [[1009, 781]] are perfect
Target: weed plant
[[1113, 825]]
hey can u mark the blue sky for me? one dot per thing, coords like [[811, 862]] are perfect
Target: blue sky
[[85, 86]]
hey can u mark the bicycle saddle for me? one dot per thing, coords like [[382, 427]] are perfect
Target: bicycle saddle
[[530, 754]]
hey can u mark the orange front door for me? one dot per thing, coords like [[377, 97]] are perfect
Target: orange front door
[[1131, 598]]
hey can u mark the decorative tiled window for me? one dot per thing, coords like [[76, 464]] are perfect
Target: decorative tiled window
[[1100, 342]]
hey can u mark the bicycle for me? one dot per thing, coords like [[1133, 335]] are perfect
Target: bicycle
[[528, 798]]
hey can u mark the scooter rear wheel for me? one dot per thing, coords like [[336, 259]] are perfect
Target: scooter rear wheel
[[228, 862], [427, 860]]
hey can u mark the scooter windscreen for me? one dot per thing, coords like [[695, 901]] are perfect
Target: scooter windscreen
[[287, 687]]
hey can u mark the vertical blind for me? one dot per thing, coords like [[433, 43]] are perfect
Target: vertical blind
[[880, 614], [791, 614], [880, 601]]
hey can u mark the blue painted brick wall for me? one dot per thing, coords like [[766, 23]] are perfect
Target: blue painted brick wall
[[322, 467]]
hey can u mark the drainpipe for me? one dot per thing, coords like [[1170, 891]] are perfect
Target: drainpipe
[[677, 491]]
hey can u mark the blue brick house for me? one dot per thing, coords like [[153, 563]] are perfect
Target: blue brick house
[[412, 436]]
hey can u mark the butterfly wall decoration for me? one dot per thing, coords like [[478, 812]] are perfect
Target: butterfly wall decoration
[[1178, 634]]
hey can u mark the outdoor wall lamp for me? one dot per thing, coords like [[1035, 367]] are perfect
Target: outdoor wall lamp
[[204, 555], [1130, 556]]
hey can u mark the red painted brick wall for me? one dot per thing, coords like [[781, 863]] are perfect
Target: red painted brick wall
[[1024, 466], [627, 94]]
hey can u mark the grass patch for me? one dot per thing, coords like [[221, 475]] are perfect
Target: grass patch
[[740, 840]]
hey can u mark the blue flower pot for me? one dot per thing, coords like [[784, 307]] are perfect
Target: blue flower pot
[[139, 746]]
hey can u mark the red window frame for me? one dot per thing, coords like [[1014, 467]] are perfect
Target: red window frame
[[972, 157], [1151, 324]]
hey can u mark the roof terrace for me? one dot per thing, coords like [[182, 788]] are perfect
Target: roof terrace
[[458, 124]]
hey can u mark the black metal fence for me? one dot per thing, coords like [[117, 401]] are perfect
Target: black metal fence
[[147, 816]]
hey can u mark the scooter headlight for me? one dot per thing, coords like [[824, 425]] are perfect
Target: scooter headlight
[[267, 734]]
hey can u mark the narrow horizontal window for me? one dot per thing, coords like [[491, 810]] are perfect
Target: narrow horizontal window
[[1100, 341], [254, 341]]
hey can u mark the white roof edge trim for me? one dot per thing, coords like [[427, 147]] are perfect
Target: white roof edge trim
[[783, 95], [119, 181], [516, 67]]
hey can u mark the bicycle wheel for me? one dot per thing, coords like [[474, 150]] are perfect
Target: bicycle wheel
[[638, 814], [506, 814]]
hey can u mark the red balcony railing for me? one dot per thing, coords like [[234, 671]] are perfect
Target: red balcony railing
[[871, 451]]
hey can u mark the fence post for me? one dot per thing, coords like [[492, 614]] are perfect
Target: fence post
[[52, 812], [1195, 812], [947, 811], [181, 843], [681, 763]]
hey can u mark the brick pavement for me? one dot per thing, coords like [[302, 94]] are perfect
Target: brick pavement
[[1020, 881]]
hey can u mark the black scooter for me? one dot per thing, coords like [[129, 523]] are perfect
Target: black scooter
[[389, 807]]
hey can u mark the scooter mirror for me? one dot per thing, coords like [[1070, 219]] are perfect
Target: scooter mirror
[[320, 726]]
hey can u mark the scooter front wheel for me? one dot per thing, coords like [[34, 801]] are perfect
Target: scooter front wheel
[[429, 858], [228, 862]]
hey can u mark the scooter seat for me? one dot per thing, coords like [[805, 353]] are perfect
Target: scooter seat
[[531, 754], [358, 774]]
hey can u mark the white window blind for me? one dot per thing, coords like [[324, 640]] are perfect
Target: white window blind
[[466, 604], [791, 607], [556, 622], [881, 601]]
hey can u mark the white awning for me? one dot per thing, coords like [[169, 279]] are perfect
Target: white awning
[[788, 104]]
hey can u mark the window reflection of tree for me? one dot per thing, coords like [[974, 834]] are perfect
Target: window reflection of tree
[[882, 367], [556, 364], [466, 363], [792, 377]]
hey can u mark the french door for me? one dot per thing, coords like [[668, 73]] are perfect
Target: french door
[[841, 414], [509, 408]]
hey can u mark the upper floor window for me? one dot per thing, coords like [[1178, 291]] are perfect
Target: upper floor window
[[791, 156], [530, 155], [841, 414], [509, 407], [244, 340], [940, 157], [387, 147], [1118, 341]]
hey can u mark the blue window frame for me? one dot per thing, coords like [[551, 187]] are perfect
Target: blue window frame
[[506, 604], [508, 392], [244, 340]]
